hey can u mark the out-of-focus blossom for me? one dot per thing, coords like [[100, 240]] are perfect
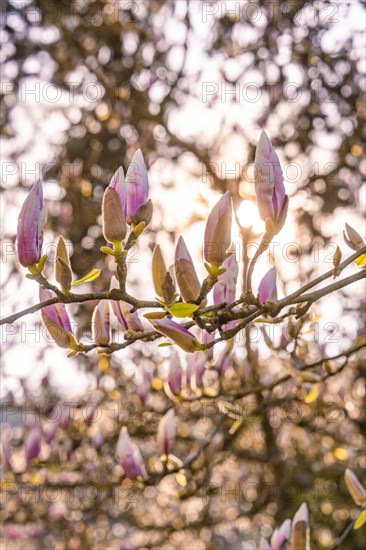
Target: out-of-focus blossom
[[224, 289], [300, 533], [143, 383], [89, 413], [122, 310], [217, 238], [195, 370], [56, 320], [271, 197], [267, 288], [63, 271], [32, 445], [175, 375], [138, 207], [180, 335], [185, 273], [98, 439], [158, 270], [114, 222], [167, 432], [129, 456], [281, 535], [355, 488], [6, 453], [352, 238], [101, 323], [31, 220], [57, 511]]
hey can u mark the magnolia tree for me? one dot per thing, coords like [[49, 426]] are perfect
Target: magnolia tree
[[168, 453]]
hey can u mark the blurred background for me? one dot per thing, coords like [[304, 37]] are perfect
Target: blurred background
[[192, 84]]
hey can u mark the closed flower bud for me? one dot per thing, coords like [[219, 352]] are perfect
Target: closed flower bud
[[224, 290], [118, 184], [280, 536], [144, 213], [63, 271], [185, 273], [352, 238], [175, 375], [143, 384], [137, 188], [158, 270], [65, 274], [6, 453], [218, 231], [114, 223], [31, 220], [195, 370], [300, 535], [166, 433], [56, 320], [101, 323], [180, 335], [267, 289], [32, 445], [355, 488], [168, 289], [122, 310], [271, 197], [129, 457]]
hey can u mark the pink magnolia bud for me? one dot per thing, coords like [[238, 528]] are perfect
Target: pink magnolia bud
[[355, 488], [101, 323], [352, 238], [196, 366], [31, 220], [143, 384], [137, 189], [118, 184], [56, 320], [6, 453], [280, 536], [175, 375], [98, 439], [114, 223], [300, 535], [129, 457], [271, 197], [63, 271], [185, 273], [180, 335], [32, 445], [218, 231], [166, 433], [158, 270], [224, 289], [122, 310], [267, 289]]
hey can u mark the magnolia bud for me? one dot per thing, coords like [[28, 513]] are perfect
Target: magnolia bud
[[144, 213], [158, 270], [168, 289], [166, 433], [114, 223], [300, 536], [185, 273], [64, 275], [218, 231], [355, 488], [352, 238]]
